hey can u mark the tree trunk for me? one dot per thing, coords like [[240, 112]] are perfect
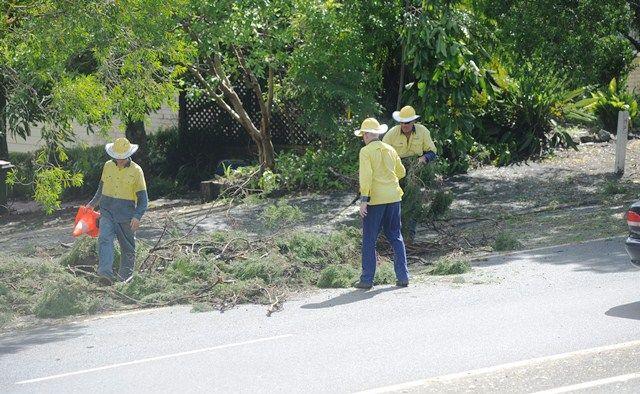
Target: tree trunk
[[136, 135], [4, 146], [266, 152], [402, 56]]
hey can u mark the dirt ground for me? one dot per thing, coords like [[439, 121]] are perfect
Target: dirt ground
[[568, 197]]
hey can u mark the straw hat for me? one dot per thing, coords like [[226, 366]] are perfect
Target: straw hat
[[405, 115], [121, 149], [370, 125]]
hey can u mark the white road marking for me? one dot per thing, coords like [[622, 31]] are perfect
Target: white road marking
[[593, 383], [150, 359], [496, 368]]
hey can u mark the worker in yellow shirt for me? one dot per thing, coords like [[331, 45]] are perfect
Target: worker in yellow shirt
[[380, 194], [411, 140], [122, 196]]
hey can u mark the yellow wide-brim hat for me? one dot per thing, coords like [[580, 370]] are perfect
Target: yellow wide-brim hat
[[406, 114], [121, 149], [370, 125]]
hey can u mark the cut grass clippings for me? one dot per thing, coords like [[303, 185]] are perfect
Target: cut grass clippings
[[450, 265], [505, 242], [216, 271]]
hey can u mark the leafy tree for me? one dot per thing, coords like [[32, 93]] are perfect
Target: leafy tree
[[584, 39], [445, 68], [36, 87], [340, 53]]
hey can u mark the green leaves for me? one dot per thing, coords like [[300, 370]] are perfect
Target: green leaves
[[438, 46]]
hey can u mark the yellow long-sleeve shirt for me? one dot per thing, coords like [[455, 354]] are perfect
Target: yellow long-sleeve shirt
[[380, 172], [418, 143]]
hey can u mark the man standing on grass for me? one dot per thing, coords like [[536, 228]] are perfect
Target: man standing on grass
[[122, 196], [379, 173], [411, 140]]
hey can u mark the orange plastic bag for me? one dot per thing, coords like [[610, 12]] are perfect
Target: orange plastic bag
[[86, 222]]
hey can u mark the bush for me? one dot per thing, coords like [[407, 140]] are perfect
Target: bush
[[610, 102], [317, 167], [518, 122]]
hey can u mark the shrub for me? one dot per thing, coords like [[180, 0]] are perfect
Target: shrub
[[519, 121], [611, 101], [324, 167]]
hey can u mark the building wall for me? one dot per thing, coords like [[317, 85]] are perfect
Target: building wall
[[162, 119]]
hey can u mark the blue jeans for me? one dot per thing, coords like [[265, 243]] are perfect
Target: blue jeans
[[109, 230], [386, 217]]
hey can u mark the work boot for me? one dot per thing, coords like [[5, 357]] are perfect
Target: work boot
[[104, 281], [363, 286], [402, 283]]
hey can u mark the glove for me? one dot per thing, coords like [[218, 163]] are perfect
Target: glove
[[430, 156]]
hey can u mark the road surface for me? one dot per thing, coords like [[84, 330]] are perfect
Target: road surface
[[564, 319]]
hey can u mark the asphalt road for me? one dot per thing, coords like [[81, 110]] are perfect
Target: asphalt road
[[565, 319]]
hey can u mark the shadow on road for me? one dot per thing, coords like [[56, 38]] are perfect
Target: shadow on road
[[348, 298], [602, 256], [626, 311], [15, 342]]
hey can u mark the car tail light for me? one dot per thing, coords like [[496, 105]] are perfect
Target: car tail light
[[633, 219]]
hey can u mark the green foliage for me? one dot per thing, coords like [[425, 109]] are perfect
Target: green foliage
[[444, 64], [66, 298], [582, 39], [319, 250], [268, 270], [610, 101], [269, 182], [385, 274], [506, 241], [281, 214], [518, 122], [424, 198], [322, 167], [43, 288], [440, 204], [337, 276], [185, 269], [450, 265], [84, 254], [336, 70], [244, 272], [49, 180], [612, 188]]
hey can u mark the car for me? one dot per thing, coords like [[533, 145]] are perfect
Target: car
[[632, 243]]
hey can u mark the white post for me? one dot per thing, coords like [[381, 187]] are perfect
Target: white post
[[621, 141]]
